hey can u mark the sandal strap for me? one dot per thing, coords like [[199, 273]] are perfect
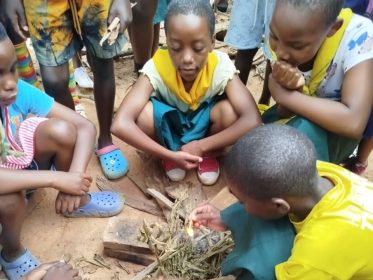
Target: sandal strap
[[106, 150]]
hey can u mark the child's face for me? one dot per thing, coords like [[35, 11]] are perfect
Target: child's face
[[264, 209], [295, 35], [189, 42], [8, 73]]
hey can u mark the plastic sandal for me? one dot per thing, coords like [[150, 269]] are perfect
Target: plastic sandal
[[19, 267], [102, 204], [113, 163]]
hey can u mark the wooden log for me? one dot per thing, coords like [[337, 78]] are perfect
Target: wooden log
[[120, 240]]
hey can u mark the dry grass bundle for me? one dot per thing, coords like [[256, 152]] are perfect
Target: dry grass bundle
[[181, 255]]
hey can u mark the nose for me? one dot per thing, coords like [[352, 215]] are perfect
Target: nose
[[281, 52], [187, 57]]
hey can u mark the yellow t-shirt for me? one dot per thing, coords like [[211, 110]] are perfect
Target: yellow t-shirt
[[335, 241]]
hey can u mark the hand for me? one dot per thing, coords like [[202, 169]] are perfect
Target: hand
[[122, 10], [208, 216], [66, 203], [14, 10], [193, 148], [62, 271], [278, 92], [75, 183], [287, 76], [185, 160]]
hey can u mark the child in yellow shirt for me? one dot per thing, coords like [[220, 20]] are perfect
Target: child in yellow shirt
[[274, 173]]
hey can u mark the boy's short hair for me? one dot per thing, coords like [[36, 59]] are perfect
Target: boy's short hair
[[329, 8], [3, 34], [272, 161], [201, 8]]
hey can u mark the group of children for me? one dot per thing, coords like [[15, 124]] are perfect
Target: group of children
[[187, 107]]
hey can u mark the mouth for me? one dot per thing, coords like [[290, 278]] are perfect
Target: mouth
[[188, 72], [8, 101]]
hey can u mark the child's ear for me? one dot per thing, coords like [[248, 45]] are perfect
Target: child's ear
[[335, 27], [282, 206]]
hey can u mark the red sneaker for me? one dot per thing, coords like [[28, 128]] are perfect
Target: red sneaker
[[208, 170], [173, 172]]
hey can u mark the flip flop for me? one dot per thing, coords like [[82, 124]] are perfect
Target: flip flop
[[19, 267], [102, 204], [113, 163]]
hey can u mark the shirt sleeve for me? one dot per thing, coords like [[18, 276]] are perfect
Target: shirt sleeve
[[31, 100], [359, 43], [224, 72], [293, 270]]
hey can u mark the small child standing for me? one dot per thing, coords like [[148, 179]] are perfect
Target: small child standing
[[198, 105], [248, 25], [56, 138], [274, 173]]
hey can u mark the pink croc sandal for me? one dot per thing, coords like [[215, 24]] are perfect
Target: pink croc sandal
[[113, 163]]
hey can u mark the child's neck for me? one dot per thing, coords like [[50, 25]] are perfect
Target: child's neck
[[301, 208], [187, 85]]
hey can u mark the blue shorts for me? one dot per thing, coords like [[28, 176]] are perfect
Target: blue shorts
[[161, 11], [175, 128], [249, 24]]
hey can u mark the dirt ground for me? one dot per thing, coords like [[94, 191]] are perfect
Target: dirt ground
[[50, 236]]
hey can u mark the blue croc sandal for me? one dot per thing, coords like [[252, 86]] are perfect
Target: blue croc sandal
[[113, 163], [102, 204], [19, 267]]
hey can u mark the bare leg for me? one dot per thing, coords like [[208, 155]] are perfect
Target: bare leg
[[243, 62], [364, 150], [141, 31], [55, 143], [56, 83], [104, 92], [266, 95], [12, 215], [157, 28], [145, 121], [222, 116]]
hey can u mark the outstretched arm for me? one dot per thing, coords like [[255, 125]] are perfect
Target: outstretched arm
[[11, 181], [125, 127], [348, 117]]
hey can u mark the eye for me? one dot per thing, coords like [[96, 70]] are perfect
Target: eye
[[14, 68], [298, 48], [198, 49]]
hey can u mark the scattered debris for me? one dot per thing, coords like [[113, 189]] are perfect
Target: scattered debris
[[181, 255]]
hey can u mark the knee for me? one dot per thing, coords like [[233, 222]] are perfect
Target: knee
[[58, 83], [223, 114], [145, 121], [11, 204], [62, 133]]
